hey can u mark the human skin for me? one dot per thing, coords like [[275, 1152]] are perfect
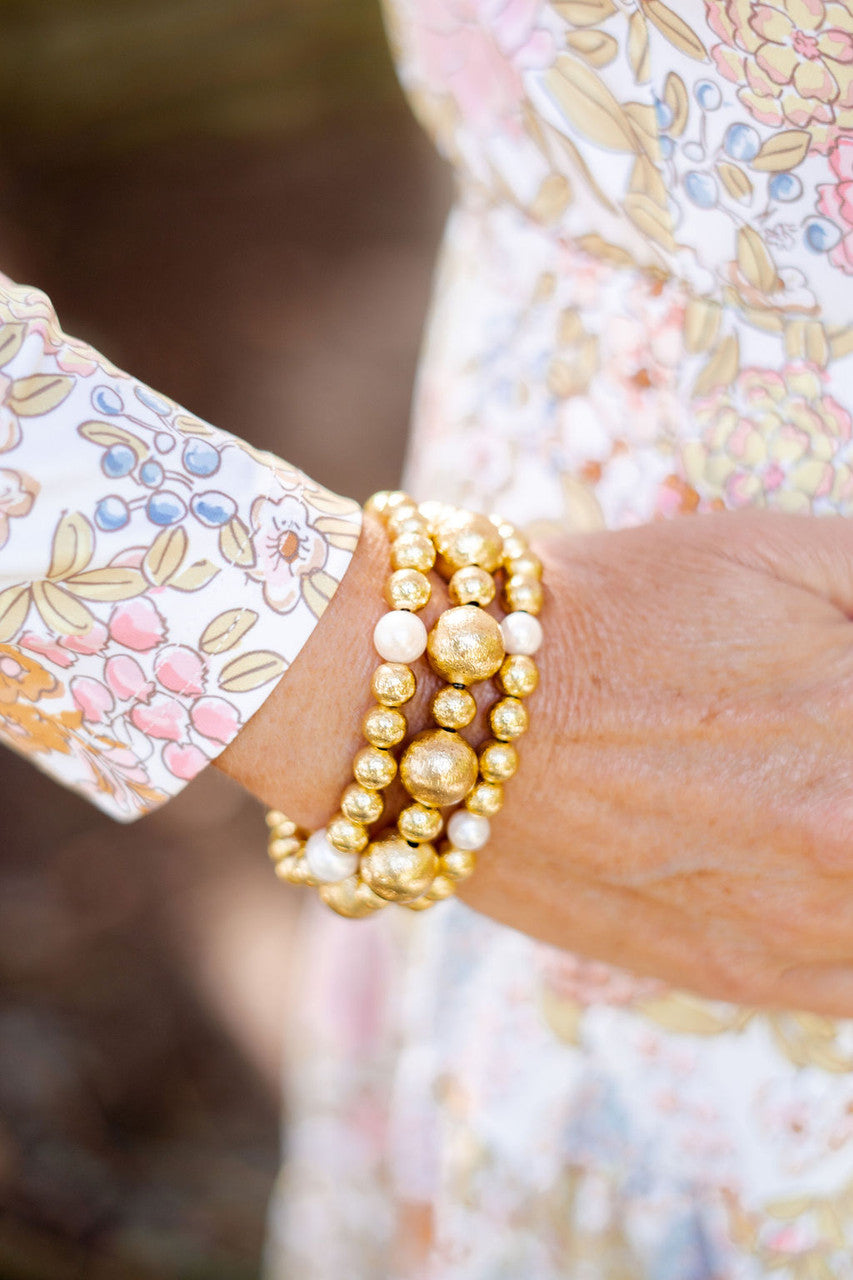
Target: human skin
[[684, 803]]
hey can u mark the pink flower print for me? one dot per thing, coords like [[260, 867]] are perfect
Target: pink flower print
[[17, 494], [589, 982], [183, 760], [92, 642], [48, 648], [61, 651], [137, 624], [215, 718], [163, 717], [126, 678], [793, 61], [287, 547], [836, 202], [180, 669], [92, 698]]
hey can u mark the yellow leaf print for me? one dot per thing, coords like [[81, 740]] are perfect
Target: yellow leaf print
[[251, 671], [735, 181], [31, 397], [675, 29], [638, 46], [588, 105], [783, 151], [60, 611], [107, 584], [721, 369], [227, 630], [585, 13], [73, 544], [754, 260], [11, 341], [14, 607], [677, 99], [595, 47], [165, 556]]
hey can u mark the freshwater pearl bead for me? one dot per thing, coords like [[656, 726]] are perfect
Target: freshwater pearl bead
[[522, 633], [400, 636], [468, 830], [326, 863]]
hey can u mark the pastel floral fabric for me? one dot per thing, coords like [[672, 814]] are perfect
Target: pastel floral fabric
[[157, 576], [643, 309]]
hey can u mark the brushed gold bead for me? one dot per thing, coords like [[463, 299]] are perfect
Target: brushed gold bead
[[438, 768], [465, 645], [301, 873], [498, 761], [393, 684], [285, 869], [528, 563], [457, 864], [434, 512], [406, 519], [419, 823], [413, 551], [275, 818], [442, 887], [374, 768], [486, 799], [519, 675], [283, 847], [471, 585], [466, 537], [362, 805], [408, 589], [396, 498], [509, 719], [398, 871], [514, 545], [419, 904], [523, 593], [377, 503], [453, 708], [346, 835], [384, 726], [351, 898]]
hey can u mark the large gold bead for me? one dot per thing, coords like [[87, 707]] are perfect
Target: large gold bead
[[362, 805], [284, 846], [498, 761], [398, 871], [413, 551], [438, 768], [393, 684], [351, 898], [407, 589], [442, 887], [346, 835], [419, 823], [457, 864], [466, 537], [384, 726], [519, 675], [508, 719], [374, 768], [453, 708], [486, 799], [471, 585], [521, 592], [465, 645]]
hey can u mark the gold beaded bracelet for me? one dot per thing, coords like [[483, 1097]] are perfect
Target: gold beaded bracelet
[[438, 768]]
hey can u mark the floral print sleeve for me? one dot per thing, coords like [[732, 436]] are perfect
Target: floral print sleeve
[[157, 575]]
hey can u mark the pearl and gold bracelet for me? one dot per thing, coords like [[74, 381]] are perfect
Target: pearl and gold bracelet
[[357, 875]]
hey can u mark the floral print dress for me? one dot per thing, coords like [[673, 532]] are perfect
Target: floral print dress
[[643, 307]]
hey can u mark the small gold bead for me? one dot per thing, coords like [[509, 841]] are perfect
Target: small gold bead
[[457, 864], [362, 805], [471, 585], [514, 545], [384, 726], [498, 761], [442, 887], [275, 818], [433, 512], [393, 684], [508, 719], [453, 708], [374, 768], [377, 503], [285, 868], [396, 498], [528, 564], [523, 593], [351, 898], [413, 551], [419, 823], [283, 847], [519, 675], [465, 645], [438, 768], [408, 589], [407, 519], [346, 835], [419, 904], [396, 870], [486, 799], [466, 537], [301, 873]]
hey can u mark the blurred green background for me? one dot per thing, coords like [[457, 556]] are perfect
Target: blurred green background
[[232, 201]]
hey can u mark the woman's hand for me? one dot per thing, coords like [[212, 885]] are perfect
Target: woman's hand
[[684, 804]]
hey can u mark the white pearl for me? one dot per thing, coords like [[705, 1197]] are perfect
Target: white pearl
[[400, 636], [522, 633], [326, 863], [468, 830]]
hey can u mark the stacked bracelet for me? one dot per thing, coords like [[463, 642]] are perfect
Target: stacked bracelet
[[358, 874]]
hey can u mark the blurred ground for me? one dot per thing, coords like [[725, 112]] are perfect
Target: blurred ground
[[275, 280]]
